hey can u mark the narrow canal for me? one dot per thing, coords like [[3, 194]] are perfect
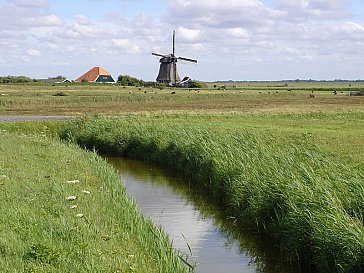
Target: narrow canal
[[194, 224]]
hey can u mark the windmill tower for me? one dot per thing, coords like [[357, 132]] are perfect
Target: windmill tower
[[168, 67]]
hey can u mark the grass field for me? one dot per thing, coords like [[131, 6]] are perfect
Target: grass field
[[110, 100], [290, 163]]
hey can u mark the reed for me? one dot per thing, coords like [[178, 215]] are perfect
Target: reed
[[303, 200]]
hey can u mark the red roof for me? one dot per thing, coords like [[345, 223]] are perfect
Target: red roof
[[93, 74]]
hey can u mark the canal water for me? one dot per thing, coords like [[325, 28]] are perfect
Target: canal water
[[196, 227]]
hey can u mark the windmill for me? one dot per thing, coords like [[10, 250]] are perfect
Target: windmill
[[168, 67]]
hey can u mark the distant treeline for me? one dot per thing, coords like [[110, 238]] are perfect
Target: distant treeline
[[127, 80], [124, 80], [15, 79]]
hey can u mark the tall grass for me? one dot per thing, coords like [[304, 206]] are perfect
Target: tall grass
[[63, 209], [307, 203]]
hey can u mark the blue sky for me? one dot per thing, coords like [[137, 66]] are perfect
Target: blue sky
[[357, 9], [237, 40], [99, 9]]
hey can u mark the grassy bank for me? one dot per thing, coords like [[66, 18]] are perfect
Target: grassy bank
[[63, 210], [310, 204]]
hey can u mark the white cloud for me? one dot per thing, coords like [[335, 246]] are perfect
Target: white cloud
[[126, 45], [353, 30], [30, 3], [24, 15], [84, 30], [231, 38], [189, 35], [321, 9], [53, 46], [12, 34], [33, 52], [42, 21], [81, 19], [238, 33], [232, 13]]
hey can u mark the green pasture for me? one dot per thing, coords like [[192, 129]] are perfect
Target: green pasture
[[77, 99], [294, 85]]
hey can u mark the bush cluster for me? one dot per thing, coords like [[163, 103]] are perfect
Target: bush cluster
[[15, 79], [126, 80]]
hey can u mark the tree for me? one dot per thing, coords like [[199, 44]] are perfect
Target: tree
[[15, 79], [127, 80], [197, 84]]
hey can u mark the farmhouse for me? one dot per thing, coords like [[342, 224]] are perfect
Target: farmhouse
[[96, 74]]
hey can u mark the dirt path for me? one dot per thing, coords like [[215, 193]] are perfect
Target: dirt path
[[33, 118]]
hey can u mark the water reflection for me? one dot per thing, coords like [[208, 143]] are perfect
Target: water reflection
[[217, 245]]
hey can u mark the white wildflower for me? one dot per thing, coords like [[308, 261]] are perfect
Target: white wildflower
[[73, 206], [86, 192], [80, 215], [71, 198], [73, 181]]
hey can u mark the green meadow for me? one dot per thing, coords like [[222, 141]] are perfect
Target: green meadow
[[281, 162], [78, 99]]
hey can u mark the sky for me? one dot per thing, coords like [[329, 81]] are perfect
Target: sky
[[241, 40]]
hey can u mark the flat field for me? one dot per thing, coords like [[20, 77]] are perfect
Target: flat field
[[77, 99], [334, 122]]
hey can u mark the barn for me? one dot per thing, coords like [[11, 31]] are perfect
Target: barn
[[96, 74]]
